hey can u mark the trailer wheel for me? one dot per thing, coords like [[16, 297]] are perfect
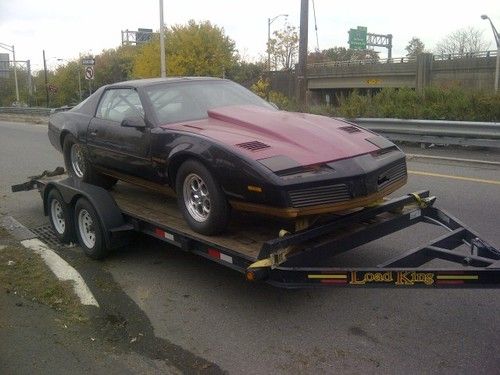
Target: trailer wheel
[[60, 216], [89, 230]]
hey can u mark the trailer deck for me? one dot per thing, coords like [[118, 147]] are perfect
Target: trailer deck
[[268, 249]]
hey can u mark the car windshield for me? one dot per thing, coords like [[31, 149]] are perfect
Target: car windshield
[[174, 102]]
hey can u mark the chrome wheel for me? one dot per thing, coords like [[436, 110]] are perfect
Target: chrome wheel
[[77, 160], [86, 228], [57, 214], [196, 197]]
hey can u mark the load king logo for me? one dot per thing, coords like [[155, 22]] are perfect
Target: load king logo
[[397, 277]]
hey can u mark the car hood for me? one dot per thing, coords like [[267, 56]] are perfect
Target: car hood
[[261, 133]]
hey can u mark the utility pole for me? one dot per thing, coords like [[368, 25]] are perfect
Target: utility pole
[[30, 83], [46, 81], [162, 43], [15, 73], [302, 65]]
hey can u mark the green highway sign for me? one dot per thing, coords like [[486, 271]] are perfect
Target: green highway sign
[[357, 38]]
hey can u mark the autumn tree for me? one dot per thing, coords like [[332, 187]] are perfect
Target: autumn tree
[[462, 41], [114, 65], [284, 48], [194, 49], [415, 47]]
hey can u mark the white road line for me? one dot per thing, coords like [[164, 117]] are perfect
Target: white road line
[[62, 270]]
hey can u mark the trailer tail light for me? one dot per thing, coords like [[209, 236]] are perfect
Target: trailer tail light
[[214, 253], [162, 234]]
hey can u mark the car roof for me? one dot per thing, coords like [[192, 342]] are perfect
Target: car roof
[[155, 81]]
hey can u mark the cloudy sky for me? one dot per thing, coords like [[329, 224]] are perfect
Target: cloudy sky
[[66, 27]]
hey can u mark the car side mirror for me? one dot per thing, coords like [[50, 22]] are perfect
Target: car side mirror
[[133, 122]]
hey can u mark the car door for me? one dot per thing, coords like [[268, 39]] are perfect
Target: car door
[[116, 147]]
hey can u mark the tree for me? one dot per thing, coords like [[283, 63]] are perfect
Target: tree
[[461, 42], [284, 48], [342, 54], [114, 65], [194, 49], [415, 47], [246, 73]]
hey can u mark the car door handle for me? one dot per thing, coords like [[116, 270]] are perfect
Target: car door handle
[[93, 132]]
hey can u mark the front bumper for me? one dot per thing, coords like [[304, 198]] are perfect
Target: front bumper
[[338, 186]]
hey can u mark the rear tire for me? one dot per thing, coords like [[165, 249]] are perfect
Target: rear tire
[[79, 166], [89, 230], [201, 199], [60, 216]]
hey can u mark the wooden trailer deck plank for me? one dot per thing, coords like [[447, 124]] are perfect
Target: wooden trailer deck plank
[[245, 234]]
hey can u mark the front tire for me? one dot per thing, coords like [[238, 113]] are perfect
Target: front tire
[[79, 166], [89, 230], [201, 199]]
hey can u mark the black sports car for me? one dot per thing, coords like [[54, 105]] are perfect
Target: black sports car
[[218, 146]]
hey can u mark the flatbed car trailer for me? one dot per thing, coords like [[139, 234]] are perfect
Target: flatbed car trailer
[[252, 246]]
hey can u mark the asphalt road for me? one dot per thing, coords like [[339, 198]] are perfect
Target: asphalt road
[[212, 312]]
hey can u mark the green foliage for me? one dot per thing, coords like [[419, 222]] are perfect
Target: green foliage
[[245, 73], [342, 54], [435, 103], [284, 48], [195, 49], [263, 88], [8, 88]]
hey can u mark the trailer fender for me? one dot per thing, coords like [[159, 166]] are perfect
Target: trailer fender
[[109, 213]]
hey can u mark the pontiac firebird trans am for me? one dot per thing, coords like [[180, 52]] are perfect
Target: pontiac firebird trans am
[[220, 147]]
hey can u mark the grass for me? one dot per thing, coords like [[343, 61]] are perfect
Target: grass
[[24, 273]]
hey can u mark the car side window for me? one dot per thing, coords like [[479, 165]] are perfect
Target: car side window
[[117, 104]]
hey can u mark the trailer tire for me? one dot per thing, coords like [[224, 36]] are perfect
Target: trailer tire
[[60, 216], [79, 166], [89, 230], [206, 210]]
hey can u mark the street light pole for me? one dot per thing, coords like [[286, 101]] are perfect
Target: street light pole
[[13, 50], [497, 40], [162, 43], [46, 80], [269, 22]]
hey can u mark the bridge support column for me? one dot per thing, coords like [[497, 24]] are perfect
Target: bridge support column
[[424, 71]]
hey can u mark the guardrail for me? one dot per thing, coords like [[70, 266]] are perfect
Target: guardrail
[[465, 133], [29, 111]]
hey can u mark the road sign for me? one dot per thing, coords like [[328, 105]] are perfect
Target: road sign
[[4, 65], [88, 61], [357, 37], [89, 72]]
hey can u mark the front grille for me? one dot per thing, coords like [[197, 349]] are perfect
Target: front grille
[[253, 146], [319, 195], [393, 174]]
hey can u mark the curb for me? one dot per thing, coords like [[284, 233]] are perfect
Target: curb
[[59, 267]]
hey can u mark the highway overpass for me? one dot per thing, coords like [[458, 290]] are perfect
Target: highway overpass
[[473, 71]]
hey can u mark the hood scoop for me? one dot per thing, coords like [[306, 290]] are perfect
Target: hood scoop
[[253, 145], [350, 129]]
